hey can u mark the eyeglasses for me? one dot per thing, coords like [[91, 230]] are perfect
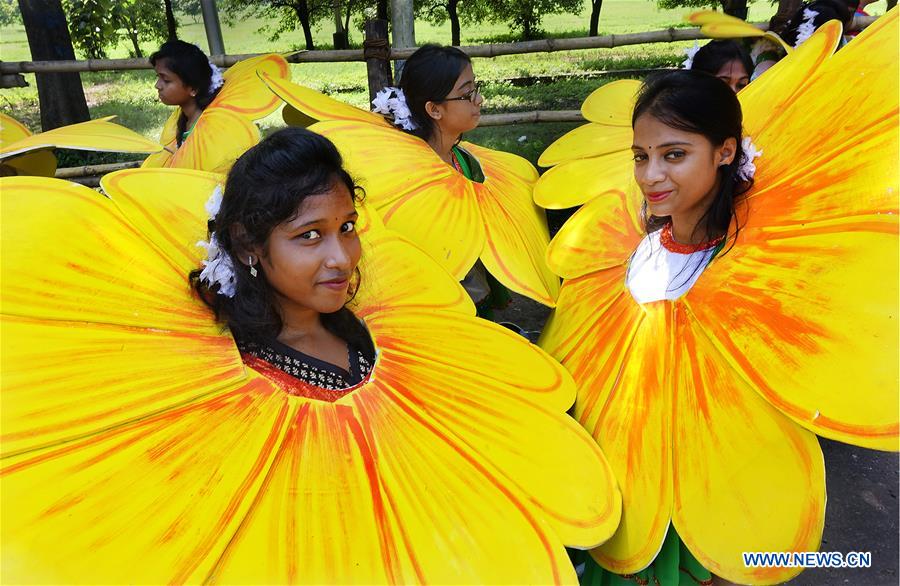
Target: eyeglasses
[[468, 96]]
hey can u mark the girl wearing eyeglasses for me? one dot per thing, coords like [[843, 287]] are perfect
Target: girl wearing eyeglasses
[[469, 207], [444, 101]]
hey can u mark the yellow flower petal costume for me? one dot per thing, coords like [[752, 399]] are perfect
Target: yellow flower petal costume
[[455, 220], [718, 25], [137, 447], [30, 154], [707, 406], [225, 129]]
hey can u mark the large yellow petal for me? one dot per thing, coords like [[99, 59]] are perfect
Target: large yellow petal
[[167, 206], [814, 272], [573, 183], [733, 451], [718, 25], [395, 273], [617, 353], [244, 93], [601, 234], [218, 139], [317, 105], [63, 380], [415, 192], [807, 315], [98, 269], [401, 498], [515, 229], [35, 163], [11, 130], [633, 428], [589, 140], [764, 99], [612, 103], [155, 501], [94, 135], [560, 470], [41, 163]]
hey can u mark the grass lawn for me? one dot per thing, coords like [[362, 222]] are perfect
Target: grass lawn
[[131, 96]]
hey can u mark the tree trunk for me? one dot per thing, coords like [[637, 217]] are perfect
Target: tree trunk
[[130, 28], [302, 11], [377, 50], [786, 9], [736, 8], [135, 44], [453, 13], [61, 94], [596, 5], [171, 23], [381, 10]]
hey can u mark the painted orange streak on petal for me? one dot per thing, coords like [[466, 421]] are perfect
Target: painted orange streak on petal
[[634, 431], [388, 546]]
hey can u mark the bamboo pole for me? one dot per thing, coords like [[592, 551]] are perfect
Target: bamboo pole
[[340, 56], [530, 117], [93, 170]]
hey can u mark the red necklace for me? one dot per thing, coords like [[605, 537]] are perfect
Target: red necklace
[[668, 242]]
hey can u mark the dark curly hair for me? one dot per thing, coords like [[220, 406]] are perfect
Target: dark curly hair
[[266, 187]]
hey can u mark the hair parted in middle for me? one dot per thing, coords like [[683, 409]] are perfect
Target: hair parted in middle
[[696, 102], [429, 76], [715, 54], [265, 188]]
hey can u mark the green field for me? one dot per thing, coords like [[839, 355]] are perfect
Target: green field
[[131, 96]]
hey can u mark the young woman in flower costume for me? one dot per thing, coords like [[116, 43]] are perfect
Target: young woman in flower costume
[[213, 121], [283, 262], [143, 441], [465, 205], [186, 79], [441, 100], [714, 325]]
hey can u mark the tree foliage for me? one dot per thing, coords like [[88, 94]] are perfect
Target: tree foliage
[[97, 25], [523, 16], [736, 8], [526, 15], [286, 16], [9, 13]]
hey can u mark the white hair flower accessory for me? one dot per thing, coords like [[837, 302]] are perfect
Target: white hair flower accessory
[[747, 169], [807, 27], [392, 102], [216, 80], [690, 52], [217, 268]]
